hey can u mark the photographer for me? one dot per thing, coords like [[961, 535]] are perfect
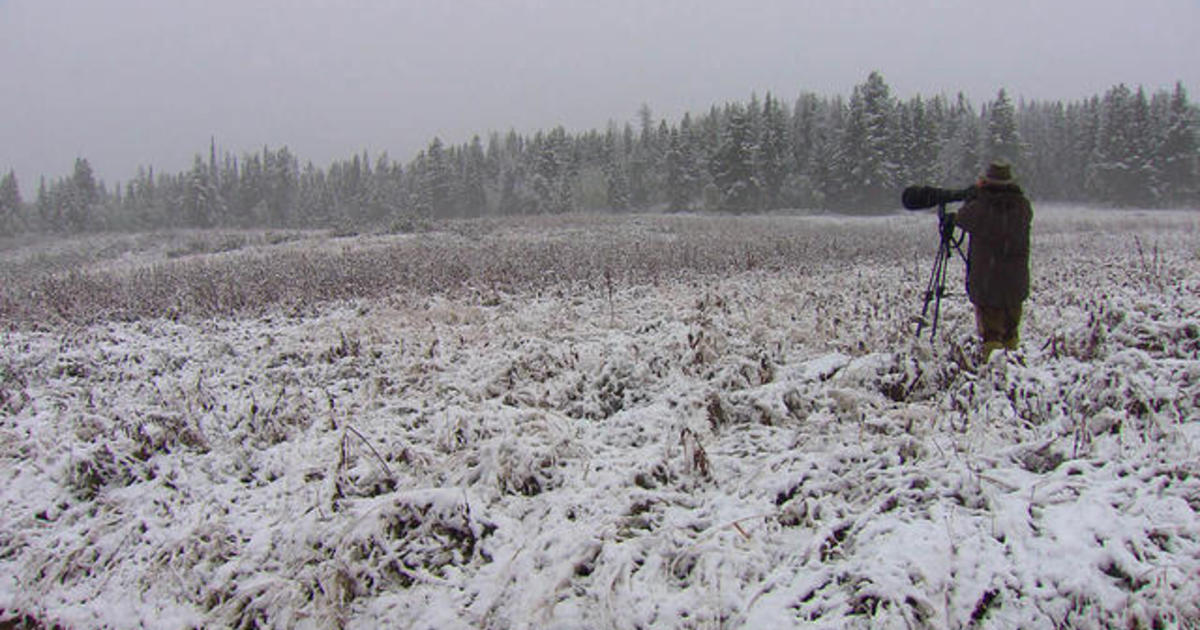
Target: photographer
[[998, 218]]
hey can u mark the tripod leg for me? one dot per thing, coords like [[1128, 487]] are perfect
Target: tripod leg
[[931, 287], [935, 289]]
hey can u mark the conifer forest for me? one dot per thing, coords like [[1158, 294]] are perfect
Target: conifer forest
[[1125, 148]]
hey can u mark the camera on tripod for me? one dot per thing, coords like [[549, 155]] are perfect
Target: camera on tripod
[[920, 198]]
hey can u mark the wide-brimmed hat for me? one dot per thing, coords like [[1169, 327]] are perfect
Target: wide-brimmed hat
[[999, 172]]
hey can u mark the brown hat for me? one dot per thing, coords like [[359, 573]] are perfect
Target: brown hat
[[999, 173]]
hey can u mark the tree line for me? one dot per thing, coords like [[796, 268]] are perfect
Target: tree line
[[1124, 148]]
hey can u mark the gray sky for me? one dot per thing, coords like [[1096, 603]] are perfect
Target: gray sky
[[147, 82]]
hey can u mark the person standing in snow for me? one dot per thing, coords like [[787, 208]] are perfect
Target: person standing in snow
[[998, 218]]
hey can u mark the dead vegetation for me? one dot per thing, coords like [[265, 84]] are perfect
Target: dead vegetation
[[657, 448]]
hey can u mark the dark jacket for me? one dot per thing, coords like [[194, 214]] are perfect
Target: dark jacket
[[998, 219]]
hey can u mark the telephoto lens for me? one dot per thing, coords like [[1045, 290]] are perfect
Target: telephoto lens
[[921, 197]]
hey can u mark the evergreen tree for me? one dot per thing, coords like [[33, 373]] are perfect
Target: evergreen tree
[[1120, 170], [919, 142], [314, 199], [637, 162], [435, 185], [614, 168], [694, 158], [806, 140], [78, 195], [1178, 155], [678, 184], [1144, 180], [552, 173], [732, 165], [1002, 141], [1048, 135], [48, 211], [473, 201], [10, 204], [866, 168], [281, 168], [959, 157], [197, 203], [252, 191], [773, 162], [1085, 121]]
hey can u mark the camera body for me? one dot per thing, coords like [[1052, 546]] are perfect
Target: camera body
[[922, 197]]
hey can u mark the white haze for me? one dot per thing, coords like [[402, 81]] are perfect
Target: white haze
[[140, 82]]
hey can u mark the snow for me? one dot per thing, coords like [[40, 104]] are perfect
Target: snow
[[757, 449]]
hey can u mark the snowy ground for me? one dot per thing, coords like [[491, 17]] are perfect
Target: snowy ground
[[768, 448]]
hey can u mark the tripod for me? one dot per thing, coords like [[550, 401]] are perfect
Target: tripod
[[936, 288]]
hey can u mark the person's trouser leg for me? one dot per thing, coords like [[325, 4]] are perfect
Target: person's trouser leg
[[999, 327]]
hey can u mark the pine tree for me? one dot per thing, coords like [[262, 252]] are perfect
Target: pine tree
[[435, 182], [866, 168], [826, 156], [196, 202], [1118, 172], [553, 172], [1003, 141], [677, 182], [693, 157], [1144, 180], [1085, 121], [638, 163], [473, 201], [804, 140], [959, 159], [772, 161], [1178, 155], [79, 194], [732, 165], [919, 141], [47, 210], [614, 168], [281, 168], [1048, 137], [10, 204]]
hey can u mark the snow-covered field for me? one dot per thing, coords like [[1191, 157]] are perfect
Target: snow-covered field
[[761, 446]]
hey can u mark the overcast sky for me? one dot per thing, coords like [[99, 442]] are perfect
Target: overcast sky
[[147, 82]]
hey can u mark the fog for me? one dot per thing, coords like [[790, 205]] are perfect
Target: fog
[[144, 82]]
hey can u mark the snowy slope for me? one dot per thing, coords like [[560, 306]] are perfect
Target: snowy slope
[[767, 448]]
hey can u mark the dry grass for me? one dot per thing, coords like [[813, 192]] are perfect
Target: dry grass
[[200, 275], [759, 434]]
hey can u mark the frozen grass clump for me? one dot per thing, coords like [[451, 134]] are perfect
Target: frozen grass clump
[[665, 422]]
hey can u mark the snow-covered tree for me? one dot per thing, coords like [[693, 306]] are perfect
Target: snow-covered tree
[[77, 195], [198, 197], [773, 160], [614, 166], [732, 165], [1121, 169], [1003, 142], [552, 172], [433, 184], [959, 159], [1178, 155], [919, 141], [10, 204], [677, 184], [866, 168]]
